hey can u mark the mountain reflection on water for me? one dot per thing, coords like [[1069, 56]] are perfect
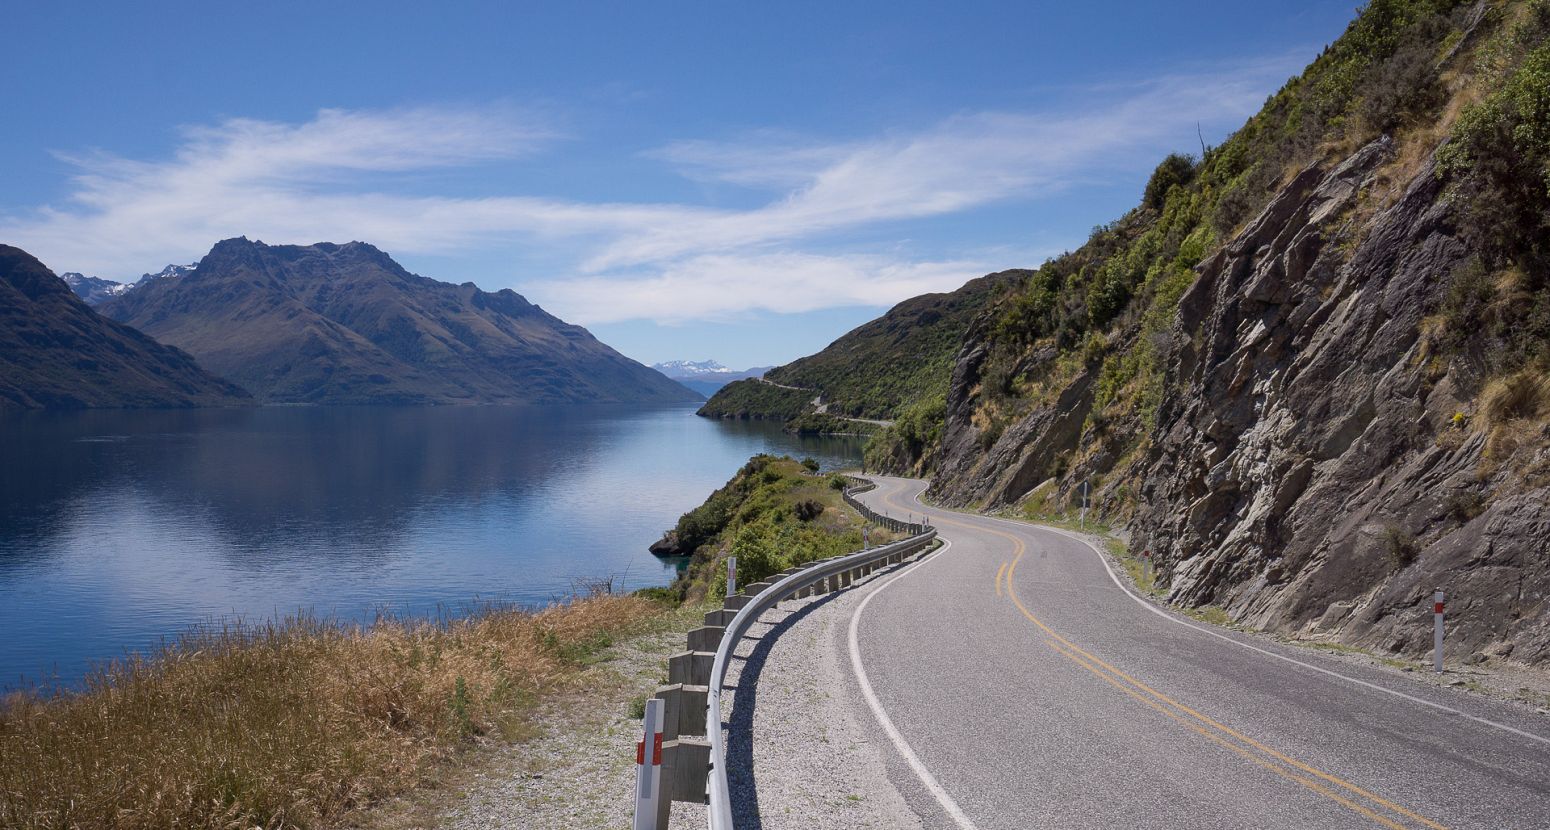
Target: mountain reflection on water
[[120, 528]]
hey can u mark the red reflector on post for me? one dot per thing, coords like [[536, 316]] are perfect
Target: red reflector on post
[[1437, 608], [656, 752]]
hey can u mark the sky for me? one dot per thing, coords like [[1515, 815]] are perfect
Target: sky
[[737, 181]]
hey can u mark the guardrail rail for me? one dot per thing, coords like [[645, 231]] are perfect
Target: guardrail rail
[[693, 769]]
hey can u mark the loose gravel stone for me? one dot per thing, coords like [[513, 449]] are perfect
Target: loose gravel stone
[[580, 772], [815, 758]]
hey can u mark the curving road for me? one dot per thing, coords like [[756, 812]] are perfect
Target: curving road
[[1022, 687]]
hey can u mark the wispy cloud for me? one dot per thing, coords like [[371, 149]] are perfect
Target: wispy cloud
[[340, 176], [722, 286]]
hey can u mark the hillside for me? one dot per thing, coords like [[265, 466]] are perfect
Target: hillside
[[56, 353], [874, 371], [773, 514], [1309, 371], [345, 324]]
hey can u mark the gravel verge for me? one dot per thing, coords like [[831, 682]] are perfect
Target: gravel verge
[[575, 771], [580, 771], [817, 759]]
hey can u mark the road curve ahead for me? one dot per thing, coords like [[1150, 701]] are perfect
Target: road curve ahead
[[1024, 688]]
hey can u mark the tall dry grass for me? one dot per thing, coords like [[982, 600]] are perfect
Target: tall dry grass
[[286, 725]]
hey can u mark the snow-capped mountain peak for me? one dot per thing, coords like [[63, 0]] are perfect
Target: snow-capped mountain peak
[[689, 368]]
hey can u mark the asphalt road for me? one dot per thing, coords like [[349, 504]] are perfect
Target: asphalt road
[[1034, 692]]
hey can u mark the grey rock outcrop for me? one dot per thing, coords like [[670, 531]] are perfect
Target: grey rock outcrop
[[1307, 471]]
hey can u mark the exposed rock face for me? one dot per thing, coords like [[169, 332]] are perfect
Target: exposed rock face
[[1307, 472], [56, 353], [1307, 477], [338, 324]]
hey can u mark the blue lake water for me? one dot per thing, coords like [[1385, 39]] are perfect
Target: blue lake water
[[118, 529]]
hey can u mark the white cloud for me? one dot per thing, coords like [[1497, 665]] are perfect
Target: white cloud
[[343, 175], [721, 286], [964, 162]]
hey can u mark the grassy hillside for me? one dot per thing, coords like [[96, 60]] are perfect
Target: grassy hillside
[[906, 354], [874, 371], [775, 513], [756, 400]]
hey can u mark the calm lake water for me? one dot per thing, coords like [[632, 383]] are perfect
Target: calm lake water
[[118, 529]]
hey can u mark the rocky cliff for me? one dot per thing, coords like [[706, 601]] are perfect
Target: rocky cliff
[[345, 324], [56, 353], [1315, 405]]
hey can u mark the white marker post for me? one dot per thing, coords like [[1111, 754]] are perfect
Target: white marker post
[[1083, 522], [1438, 599], [731, 575], [866, 537], [648, 768]]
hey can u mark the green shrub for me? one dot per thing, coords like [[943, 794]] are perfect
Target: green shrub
[[1176, 170], [1499, 163]]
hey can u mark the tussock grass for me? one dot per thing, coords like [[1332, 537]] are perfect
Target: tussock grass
[[1523, 395], [291, 724]]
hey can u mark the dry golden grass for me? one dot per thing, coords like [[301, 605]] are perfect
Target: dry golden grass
[[287, 725], [1523, 395]]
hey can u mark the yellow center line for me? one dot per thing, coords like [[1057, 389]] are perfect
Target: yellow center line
[[1074, 652], [998, 578], [1217, 739]]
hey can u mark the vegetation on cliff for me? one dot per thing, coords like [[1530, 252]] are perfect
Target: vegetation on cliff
[[1104, 311], [774, 513]]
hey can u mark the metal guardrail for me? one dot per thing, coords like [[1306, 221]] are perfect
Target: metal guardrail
[[897, 525], [718, 793]]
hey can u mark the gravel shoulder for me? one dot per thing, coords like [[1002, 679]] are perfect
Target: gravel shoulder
[[817, 758], [576, 770]]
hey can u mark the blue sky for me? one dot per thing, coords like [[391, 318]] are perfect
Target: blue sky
[[744, 182]]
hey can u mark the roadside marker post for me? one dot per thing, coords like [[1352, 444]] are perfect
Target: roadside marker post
[[1083, 521], [648, 768], [731, 575], [1438, 600], [1146, 564]]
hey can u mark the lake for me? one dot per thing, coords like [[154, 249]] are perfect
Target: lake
[[119, 529]]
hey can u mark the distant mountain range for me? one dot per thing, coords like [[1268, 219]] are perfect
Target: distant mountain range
[[96, 290], [345, 324], [705, 376], [56, 352]]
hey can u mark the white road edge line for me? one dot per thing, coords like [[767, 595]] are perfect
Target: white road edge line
[[946, 801], [1104, 560]]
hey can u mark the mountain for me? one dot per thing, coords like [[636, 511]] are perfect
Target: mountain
[[705, 376], [55, 352], [345, 324], [93, 290], [1310, 371], [876, 370], [96, 290]]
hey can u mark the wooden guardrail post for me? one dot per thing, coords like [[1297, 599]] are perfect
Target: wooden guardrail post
[[691, 667], [706, 637], [683, 709]]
